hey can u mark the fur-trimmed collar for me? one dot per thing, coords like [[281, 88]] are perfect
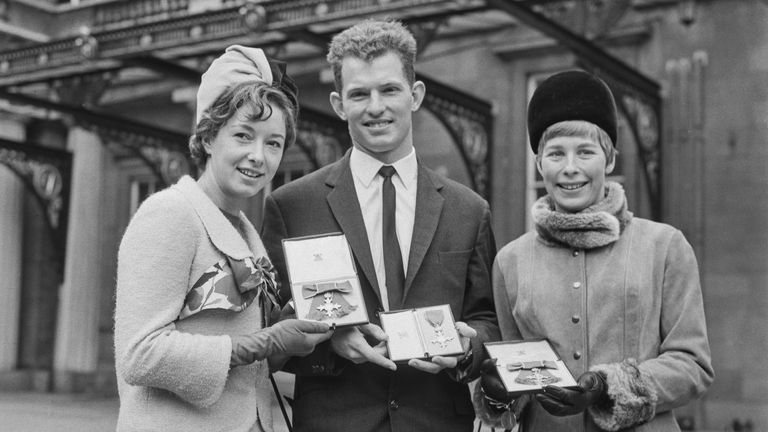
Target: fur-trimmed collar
[[598, 225]]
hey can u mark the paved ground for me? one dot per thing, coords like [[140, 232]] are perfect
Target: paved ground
[[44, 412]]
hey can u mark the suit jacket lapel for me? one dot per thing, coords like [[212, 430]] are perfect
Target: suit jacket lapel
[[429, 206], [346, 209]]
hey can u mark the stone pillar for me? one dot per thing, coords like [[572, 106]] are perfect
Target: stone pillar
[[11, 229], [76, 350]]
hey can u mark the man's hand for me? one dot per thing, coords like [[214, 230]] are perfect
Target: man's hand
[[438, 363], [350, 343], [559, 401]]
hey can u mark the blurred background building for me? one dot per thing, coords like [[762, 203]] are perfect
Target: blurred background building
[[97, 101]]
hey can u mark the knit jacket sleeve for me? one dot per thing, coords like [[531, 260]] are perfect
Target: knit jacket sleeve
[[154, 263], [682, 371]]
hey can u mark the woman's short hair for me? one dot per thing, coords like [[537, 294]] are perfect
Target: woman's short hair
[[261, 98], [579, 128], [370, 39]]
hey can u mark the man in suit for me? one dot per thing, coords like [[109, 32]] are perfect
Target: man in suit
[[438, 230]]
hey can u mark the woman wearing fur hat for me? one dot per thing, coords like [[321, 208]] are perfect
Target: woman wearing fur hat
[[617, 296], [194, 283]]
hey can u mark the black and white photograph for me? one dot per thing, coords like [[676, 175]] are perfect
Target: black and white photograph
[[369, 215]]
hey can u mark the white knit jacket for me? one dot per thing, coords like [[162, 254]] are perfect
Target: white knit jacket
[[174, 375]]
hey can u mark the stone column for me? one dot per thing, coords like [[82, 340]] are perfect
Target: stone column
[[11, 217], [76, 349]]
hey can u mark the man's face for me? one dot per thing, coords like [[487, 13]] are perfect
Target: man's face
[[377, 102]]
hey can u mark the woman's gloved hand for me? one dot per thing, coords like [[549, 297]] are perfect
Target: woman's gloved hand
[[290, 337], [560, 401], [491, 386]]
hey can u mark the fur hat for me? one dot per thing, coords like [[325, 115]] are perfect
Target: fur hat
[[240, 64], [571, 95]]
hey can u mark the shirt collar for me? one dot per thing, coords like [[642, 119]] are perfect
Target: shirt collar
[[366, 167]]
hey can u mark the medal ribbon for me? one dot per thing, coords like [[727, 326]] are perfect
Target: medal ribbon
[[434, 317], [538, 364], [312, 290], [328, 305]]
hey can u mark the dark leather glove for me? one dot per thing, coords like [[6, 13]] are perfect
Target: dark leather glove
[[491, 384], [290, 337], [559, 401]]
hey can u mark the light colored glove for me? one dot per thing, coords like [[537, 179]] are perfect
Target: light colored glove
[[290, 337]]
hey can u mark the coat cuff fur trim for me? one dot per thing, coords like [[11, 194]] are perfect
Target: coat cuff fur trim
[[632, 396], [490, 417]]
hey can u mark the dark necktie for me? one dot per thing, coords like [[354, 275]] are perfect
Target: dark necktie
[[393, 261]]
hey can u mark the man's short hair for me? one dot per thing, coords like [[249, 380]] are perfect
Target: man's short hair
[[370, 39]]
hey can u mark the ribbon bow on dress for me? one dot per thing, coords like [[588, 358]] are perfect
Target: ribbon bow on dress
[[233, 285]]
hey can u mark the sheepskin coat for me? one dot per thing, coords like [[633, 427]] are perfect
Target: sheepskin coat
[[173, 374], [612, 293]]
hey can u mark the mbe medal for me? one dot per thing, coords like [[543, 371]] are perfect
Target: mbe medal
[[435, 319]]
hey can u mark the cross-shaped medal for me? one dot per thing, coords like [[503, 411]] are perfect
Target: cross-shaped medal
[[537, 377], [329, 307], [441, 339]]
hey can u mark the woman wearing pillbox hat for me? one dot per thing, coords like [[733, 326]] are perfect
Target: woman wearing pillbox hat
[[195, 287], [618, 296]]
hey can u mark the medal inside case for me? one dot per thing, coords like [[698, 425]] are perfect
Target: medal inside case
[[529, 365], [324, 281], [421, 333]]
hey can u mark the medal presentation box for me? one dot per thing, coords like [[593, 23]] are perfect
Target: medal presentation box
[[529, 365], [421, 333], [324, 281]]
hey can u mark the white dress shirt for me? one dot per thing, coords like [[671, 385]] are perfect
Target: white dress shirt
[[368, 185]]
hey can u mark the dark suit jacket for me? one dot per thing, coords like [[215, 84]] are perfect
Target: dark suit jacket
[[451, 253]]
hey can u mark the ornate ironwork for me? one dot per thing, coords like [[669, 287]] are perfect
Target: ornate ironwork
[[47, 174], [469, 121], [167, 160], [589, 18], [322, 138], [643, 115], [124, 29]]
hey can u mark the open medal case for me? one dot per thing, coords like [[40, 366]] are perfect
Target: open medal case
[[323, 280], [421, 333], [527, 366]]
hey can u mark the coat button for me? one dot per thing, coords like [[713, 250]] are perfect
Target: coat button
[[575, 319], [393, 404], [575, 253], [576, 285], [577, 355]]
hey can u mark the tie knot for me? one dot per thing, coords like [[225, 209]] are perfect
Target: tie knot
[[387, 171]]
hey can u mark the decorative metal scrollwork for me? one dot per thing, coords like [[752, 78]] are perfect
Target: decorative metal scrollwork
[[168, 161], [590, 18], [322, 138], [474, 142], [47, 173], [469, 122]]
